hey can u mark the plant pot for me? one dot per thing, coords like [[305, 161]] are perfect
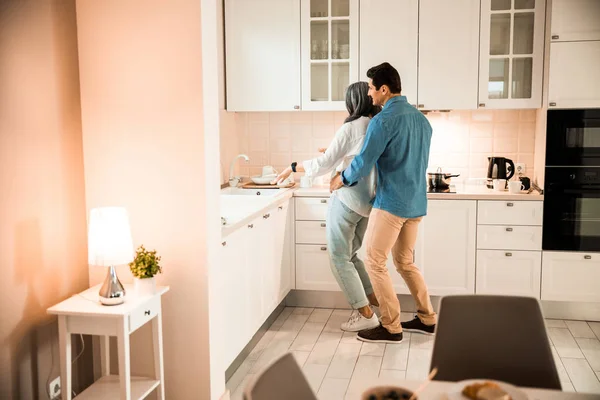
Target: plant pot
[[144, 286]]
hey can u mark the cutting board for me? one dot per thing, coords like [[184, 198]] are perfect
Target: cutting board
[[252, 185]]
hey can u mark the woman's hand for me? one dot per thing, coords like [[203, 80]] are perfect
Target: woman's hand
[[282, 176], [322, 149]]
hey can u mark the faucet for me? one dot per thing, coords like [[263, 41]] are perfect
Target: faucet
[[235, 180]]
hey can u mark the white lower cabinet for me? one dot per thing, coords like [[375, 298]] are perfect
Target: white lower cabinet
[[570, 276], [312, 268], [508, 272], [256, 275]]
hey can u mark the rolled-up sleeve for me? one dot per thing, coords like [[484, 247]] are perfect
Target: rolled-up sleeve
[[375, 143], [334, 154]]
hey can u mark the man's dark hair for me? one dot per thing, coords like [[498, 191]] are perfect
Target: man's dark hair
[[385, 74]]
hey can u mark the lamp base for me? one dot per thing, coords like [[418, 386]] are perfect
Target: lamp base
[[112, 291]]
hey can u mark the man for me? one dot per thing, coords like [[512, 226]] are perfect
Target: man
[[398, 141]]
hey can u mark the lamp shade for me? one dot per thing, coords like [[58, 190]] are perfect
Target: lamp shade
[[109, 237]]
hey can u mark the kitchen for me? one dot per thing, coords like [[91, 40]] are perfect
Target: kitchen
[[512, 96]]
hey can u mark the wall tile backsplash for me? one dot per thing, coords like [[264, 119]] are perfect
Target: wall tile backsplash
[[461, 142]]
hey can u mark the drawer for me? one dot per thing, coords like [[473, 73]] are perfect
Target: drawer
[[311, 208], [499, 237], [509, 212], [571, 276], [312, 269], [311, 232], [144, 313], [516, 273]]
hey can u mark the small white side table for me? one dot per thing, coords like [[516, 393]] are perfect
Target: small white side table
[[83, 314]]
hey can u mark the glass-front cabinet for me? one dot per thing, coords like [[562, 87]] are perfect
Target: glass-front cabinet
[[329, 42], [511, 53]]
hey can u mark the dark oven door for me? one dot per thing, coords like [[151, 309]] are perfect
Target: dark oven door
[[572, 209], [573, 138]]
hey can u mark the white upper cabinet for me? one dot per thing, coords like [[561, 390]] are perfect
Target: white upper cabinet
[[574, 74], [262, 47], [329, 45], [448, 54], [575, 20], [389, 32], [511, 53]]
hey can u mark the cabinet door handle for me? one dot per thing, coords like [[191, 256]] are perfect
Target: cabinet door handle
[[587, 257], [555, 37], [280, 208], [508, 254], [509, 229], [147, 312], [421, 106], [323, 248], [323, 225], [224, 244], [296, 107], [414, 105], [552, 104], [510, 204], [481, 104], [250, 226], [266, 216], [323, 201]]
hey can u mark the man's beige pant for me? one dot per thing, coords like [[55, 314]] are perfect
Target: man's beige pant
[[387, 232]]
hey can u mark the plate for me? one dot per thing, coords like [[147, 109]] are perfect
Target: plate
[[455, 393], [259, 180]]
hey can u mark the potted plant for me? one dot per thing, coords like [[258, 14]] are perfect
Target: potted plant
[[144, 267]]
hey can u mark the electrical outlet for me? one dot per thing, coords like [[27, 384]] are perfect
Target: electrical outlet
[[54, 388], [520, 167]]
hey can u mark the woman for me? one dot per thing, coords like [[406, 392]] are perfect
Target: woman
[[349, 207]]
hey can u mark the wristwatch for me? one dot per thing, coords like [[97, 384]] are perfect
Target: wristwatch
[[294, 166]]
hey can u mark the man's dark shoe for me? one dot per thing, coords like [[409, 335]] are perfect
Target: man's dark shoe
[[417, 326], [379, 335]]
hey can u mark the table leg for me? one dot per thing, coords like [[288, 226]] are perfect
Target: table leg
[[105, 355], [158, 355], [124, 365], [64, 342]]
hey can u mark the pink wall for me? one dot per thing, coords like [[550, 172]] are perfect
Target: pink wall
[[43, 257], [462, 140], [143, 140]]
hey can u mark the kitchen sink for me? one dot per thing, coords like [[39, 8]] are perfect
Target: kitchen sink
[[232, 191]]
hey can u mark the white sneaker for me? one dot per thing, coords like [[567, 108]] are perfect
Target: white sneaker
[[357, 322]]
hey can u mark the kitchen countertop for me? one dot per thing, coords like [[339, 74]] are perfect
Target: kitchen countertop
[[463, 192]]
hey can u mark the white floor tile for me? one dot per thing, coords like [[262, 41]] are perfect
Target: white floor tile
[[595, 326], [591, 350], [418, 364], [555, 323], [307, 337], [320, 315], [333, 389], [365, 372], [239, 375], [344, 360], [324, 348], [396, 356], [372, 349], [583, 378], [567, 387], [314, 375], [349, 337], [290, 328], [420, 341], [336, 319], [562, 372], [580, 329], [564, 343], [302, 311], [301, 357], [276, 349], [392, 375]]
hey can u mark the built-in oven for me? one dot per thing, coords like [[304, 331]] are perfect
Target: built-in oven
[[572, 209], [573, 137]]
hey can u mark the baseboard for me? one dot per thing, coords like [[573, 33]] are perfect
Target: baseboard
[[327, 299], [255, 339], [571, 310]]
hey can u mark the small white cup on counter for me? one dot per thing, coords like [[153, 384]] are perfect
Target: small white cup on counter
[[499, 185], [515, 187]]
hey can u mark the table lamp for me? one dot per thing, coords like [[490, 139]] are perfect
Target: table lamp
[[109, 245]]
